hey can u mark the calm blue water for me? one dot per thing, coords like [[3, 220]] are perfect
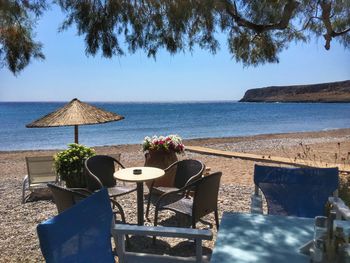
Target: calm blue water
[[189, 120]]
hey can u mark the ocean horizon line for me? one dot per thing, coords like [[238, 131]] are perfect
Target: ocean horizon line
[[126, 101], [178, 102]]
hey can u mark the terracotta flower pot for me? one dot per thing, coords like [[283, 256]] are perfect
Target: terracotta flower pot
[[161, 159]]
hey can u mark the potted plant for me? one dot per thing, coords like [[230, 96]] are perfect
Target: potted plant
[[160, 152], [69, 164]]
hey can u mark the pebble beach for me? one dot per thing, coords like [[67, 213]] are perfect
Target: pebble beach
[[19, 242]]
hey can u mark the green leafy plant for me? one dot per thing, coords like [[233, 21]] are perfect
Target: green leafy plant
[[69, 164]]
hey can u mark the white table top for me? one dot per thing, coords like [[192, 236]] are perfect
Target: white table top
[[148, 173]]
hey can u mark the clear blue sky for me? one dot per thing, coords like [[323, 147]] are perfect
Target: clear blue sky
[[67, 72]]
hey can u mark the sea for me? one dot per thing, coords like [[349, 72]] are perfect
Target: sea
[[187, 119]]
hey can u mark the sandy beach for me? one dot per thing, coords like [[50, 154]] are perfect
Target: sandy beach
[[19, 243]]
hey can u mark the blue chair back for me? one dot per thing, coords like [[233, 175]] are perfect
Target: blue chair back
[[81, 233], [301, 192]]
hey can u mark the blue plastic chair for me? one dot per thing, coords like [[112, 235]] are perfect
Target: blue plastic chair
[[81, 233], [301, 192]]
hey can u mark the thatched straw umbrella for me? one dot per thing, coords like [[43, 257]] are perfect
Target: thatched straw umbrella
[[73, 114]]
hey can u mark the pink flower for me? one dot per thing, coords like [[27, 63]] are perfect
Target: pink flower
[[168, 143]]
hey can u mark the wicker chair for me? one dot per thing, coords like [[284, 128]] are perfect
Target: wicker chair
[[99, 170], [186, 172], [204, 201], [67, 197]]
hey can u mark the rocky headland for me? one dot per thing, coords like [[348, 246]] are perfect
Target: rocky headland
[[323, 92]]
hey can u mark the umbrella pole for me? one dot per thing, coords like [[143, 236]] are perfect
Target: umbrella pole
[[76, 134]]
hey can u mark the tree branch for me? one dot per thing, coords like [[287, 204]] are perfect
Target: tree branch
[[330, 33], [306, 24], [287, 14]]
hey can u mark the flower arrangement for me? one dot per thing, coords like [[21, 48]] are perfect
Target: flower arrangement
[[170, 143], [69, 164]]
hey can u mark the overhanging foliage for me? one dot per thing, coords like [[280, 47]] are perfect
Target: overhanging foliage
[[256, 30]]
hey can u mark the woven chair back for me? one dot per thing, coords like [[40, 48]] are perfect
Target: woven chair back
[[103, 168], [64, 198], [188, 170], [206, 195]]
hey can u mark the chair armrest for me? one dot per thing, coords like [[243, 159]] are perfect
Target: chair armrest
[[183, 191], [256, 204], [91, 175], [120, 209], [118, 162], [195, 177], [338, 205], [26, 180], [83, 191], [178, 232], [171, 166]]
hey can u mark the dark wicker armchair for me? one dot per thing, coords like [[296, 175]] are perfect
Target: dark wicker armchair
[[186, 172], [99, 170], [204, 201], [67, 197]]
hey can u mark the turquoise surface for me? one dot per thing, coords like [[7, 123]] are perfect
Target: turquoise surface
[[249, 238]]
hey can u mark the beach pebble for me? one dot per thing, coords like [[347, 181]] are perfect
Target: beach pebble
[[18, 239]]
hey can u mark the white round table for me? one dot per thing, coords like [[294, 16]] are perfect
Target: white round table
[[147, 174]]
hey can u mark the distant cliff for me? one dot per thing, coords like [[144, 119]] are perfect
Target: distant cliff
[[324, 92]]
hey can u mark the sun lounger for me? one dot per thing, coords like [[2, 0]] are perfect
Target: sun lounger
[[40, 172]]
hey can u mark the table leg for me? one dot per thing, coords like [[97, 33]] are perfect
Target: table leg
[[140, 220]]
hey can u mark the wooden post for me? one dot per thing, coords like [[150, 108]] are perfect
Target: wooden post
[[76, 134]]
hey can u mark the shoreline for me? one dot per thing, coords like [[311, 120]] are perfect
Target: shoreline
[[323, 145], [195, 141]]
